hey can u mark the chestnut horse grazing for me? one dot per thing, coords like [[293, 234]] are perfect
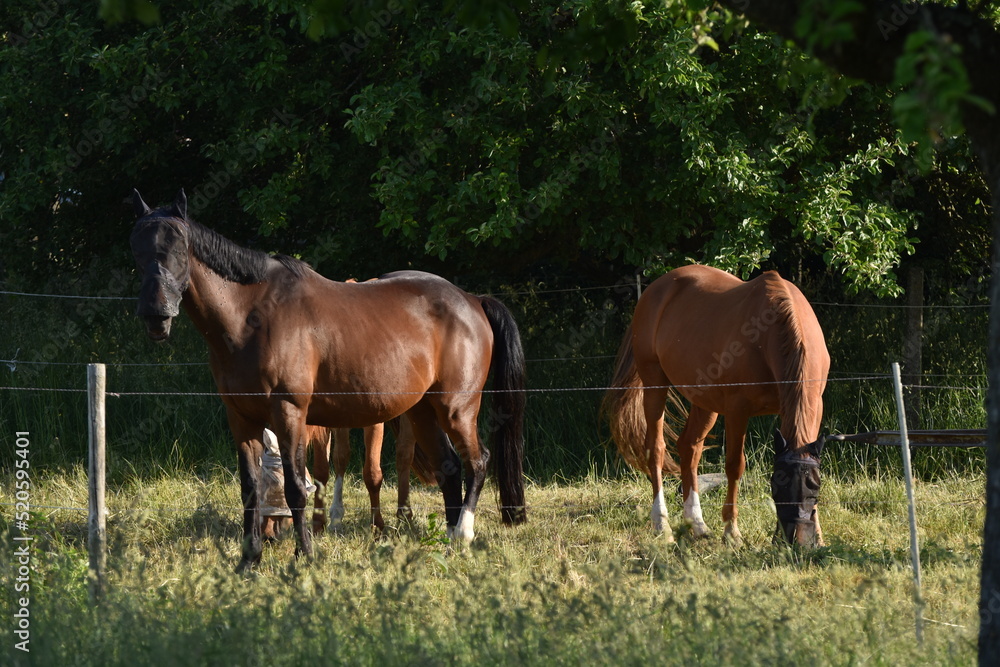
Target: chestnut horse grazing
[[733, 348], [288, 347], [319, 439], [371, 471]]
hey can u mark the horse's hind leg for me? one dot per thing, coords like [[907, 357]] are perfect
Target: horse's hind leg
[[373, 472], [465, 436], [341, 457], [736, 427], [442, 458], [320, 438], [653, 401], [690, 446], [405, 445]]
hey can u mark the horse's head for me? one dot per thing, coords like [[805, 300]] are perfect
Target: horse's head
[[160, 246], [795, 489]]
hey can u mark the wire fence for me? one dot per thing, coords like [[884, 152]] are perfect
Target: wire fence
[[619, 286], [836, 377]]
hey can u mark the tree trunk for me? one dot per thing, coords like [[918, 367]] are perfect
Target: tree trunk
[[989, 592], [913, 346]]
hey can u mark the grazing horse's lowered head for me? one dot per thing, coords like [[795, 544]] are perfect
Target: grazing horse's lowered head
[[795, 489], [160, 246]]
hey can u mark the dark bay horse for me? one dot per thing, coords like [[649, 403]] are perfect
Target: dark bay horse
[[288, 347], [733, 348]]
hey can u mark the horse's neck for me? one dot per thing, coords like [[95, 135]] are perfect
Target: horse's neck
[[806, 365], [218, 307]]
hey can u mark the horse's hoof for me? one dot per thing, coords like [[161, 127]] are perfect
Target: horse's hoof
[[464, 531], [700, 529], [246, 566], [733, 537]]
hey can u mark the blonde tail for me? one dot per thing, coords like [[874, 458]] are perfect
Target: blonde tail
[[622, 407]]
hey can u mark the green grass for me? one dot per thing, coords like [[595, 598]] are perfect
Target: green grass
[[583, 581]]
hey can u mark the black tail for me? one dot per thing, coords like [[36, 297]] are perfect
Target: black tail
[[507, 423]]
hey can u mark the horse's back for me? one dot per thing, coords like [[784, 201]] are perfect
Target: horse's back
[[704, 326], [406, 332]]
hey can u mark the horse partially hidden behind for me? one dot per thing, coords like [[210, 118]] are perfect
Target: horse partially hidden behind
[[288, 347], [733, 348], [319, 439], [408, 460]]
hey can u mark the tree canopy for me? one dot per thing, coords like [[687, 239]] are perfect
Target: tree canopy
[[402, 134]]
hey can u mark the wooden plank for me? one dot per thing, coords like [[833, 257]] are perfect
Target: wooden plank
[[709, 481], [925, 438]]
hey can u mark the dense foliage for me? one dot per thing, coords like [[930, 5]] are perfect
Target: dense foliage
[[412, 137]]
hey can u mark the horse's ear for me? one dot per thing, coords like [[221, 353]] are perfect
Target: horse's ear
[[816, 448], [138, 205], [181, 205], [780, 444]]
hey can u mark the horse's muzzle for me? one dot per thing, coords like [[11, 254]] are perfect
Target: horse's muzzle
[[802, 532], [159, 295], [157, 328]]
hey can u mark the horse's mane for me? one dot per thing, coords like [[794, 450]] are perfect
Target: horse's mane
[[234, 262], [794, 351]]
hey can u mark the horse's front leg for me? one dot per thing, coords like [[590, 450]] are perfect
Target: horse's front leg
[[320, 438], [405, 447], [290, 426], [372, 472], [249, 450], [341, 458], [736, 427]]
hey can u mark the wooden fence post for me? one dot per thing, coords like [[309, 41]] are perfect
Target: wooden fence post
[[97, 534]]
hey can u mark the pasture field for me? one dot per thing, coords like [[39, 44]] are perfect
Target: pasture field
[[583, 582]]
